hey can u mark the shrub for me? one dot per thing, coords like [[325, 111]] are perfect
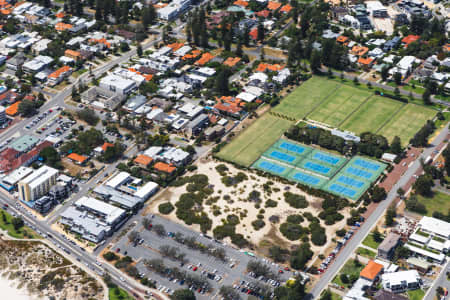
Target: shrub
[[271, 203], [295, 219], [296, 201], [292, 231], [166, 208], [110, 256], [258, 224]]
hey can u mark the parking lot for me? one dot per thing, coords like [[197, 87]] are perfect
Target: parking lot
[[231, 272]]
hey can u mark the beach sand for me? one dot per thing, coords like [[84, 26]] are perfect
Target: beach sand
[[10, 292]]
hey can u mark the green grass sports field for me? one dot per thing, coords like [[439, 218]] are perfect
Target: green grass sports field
[[248, 146], [336, 104], [407, 122], [372, 115], [304, 99]]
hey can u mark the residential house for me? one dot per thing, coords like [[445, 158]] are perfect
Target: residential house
[[371, 271], [399, 282], [16, 62], [117, 84], [75, 55], [386, 295], [387, 247], [78, 159], [59, 75]]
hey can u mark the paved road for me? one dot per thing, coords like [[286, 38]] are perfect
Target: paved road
[[440, 281], [372, 220]]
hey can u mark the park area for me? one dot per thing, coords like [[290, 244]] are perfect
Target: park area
[[251, 143], [354, 108], [320, 169]]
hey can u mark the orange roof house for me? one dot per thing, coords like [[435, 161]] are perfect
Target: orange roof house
[[175, 46], [194, 53], [57, 76], [79, 159], [72, 54], [106, 146], [262, 67], [163, 167], [342, 39], [60, 15], [206, 57], [231, 61], [359, 50], [13, 109], [101, 41], [241, 3], [371, 270], [409, 39], [62, 26], [366, 61], [273, 5], [253, 33], [263, 13], [143, 160], [286, 8]]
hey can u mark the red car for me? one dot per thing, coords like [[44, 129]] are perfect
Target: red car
[[117, 250], [286, 268], [280, 271], [194, 269]]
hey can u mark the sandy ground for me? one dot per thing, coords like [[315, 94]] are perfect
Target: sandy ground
[[10, 291], [240, 205]]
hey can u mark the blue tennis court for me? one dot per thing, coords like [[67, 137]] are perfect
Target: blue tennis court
[[326, 158], [305, 178], [339, 189], [366, 165], [316, 168], [350, 181], [359, 173], [292, 147], [271, 167], [282, 156]]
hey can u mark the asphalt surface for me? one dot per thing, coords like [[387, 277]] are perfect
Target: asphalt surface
[[367, 226], [440, 281], [152, 243]]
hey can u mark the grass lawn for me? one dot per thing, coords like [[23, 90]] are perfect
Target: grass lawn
[[304, 99], [407, 122], [372, 115], [23, 232], [118, 294], [439, 202], [365, 252], [248, 146], [351, 268], [337, 107], [416, 294], [369, 242]]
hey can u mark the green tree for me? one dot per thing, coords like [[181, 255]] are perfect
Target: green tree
[[391, 213], [221, 85], [260, 32], [397, 78], [17, 223], [139, 50], [423, 185], [27, 108], [183, 294], [51, 157], [315, 61], [396, 146], [426, 97], [384, 73]]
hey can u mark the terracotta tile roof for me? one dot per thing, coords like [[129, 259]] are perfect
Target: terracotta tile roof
[[262, 67], [410, 38], [286, 8], [5, 11], [77, 157], [101, 41], [175, 46], [160, 5], [106, 146], [365, 61], [446, 47], [143, 160], [13, 109], [206, 57], [72, 53], [194, 53], [60, 72], [273, 5], [60, 15], [240, 3], [231, 61], [359, 50], [253, 33], [342, 39], [263, 13], [371, 270], [147, 77], [62, 26], [163, 167]]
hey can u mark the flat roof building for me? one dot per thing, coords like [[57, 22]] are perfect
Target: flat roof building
[[37, 184], [387, 247], [435, 226], [24, 143], [399, 282]]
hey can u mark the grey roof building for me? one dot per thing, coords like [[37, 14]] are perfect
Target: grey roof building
[[387, 247]]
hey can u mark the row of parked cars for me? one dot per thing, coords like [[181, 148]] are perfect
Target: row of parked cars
[[324, 265]]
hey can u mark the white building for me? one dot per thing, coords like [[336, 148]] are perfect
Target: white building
[[37, 184], [37, 64], [118, 84], [399, 282], [93, 219], [376, 9], [173, 10], [435, 226]]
